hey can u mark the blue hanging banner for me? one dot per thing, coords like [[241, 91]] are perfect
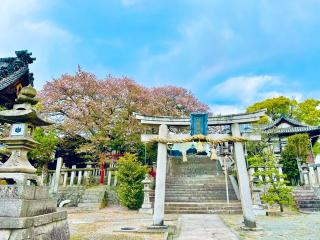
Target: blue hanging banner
[[199, 123]]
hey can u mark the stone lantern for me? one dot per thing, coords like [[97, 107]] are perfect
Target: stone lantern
[[26, 211], [23, 119], [146, 206]]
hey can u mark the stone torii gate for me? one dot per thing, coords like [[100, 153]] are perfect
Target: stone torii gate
[[234, 121]]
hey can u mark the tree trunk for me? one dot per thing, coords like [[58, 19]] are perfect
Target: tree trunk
[[45, 173], [281, 207]]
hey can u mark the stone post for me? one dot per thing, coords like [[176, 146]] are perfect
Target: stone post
[[79, 178], [260, 176], [158, 215], [280, 172], [52, 183], [305, 173], [244, 187], [57, 176], [65, 178], [318, 175], [86, 174], [267, 178], [109, 177], [312, 179], [146, 206], [73, 174], [251, 172]]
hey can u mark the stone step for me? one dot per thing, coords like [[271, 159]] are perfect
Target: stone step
[[202, 208], [203, 176], [91, 200], [89, 206], [310, 209], [203, 211], [315, 206], [303, 193], [306, 199], [186, 200], [213, 194], [205, 207], [306, 196], [197, 182], [200, 188], [206, 204], [220, 194], [200, 192], [310, 201]]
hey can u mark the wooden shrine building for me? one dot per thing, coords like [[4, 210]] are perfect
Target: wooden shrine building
[[14, 75], [282, 128]]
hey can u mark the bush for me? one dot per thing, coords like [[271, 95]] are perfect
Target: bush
[[130, 175], [278, 193]]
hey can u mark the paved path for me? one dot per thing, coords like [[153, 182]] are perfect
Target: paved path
[[204, 227]]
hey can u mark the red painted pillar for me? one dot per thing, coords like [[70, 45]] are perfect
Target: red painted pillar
[[102, 173]]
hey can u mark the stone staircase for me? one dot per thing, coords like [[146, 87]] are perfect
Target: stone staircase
[[198, 186], [93, 198], [306, 199]]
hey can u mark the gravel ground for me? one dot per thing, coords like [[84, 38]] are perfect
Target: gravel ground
[[106, 223], [294, 226]]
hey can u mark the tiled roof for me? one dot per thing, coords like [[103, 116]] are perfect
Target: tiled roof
[[13, 68], [7, 81], [291, 130], [285, 119]]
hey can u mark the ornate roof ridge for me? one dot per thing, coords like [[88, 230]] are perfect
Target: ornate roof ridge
[[289, 120], [292, 129], [12, 68]]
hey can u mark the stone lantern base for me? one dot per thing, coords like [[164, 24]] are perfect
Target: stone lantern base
[[27, 212]]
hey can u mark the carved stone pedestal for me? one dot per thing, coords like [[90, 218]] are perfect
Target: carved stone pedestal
[[27, 212]]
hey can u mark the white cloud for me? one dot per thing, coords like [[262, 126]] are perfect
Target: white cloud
[[44, 38], [289, 94], [244, 88], [237, 93]]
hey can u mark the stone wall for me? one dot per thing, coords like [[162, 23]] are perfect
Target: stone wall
[[74, 194], [112, 196], [51, 226]]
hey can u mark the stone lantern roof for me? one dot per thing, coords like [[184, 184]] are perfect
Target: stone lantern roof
[[23, 111]]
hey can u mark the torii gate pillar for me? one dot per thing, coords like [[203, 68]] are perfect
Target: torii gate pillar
[[158, 214], [243, 179]]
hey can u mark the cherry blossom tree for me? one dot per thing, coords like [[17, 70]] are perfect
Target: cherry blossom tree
[[102, 110]]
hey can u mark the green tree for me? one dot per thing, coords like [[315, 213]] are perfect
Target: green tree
[[308, 112], [44, 152], [275, 107], [316, 148], [277, 192], [295, 154], [256, 151], [130, 173]]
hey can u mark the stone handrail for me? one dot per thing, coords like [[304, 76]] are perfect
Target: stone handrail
[[311, 174], [252, 170], [64, 177]]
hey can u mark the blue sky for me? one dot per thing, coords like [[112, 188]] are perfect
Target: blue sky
[[229, 53]]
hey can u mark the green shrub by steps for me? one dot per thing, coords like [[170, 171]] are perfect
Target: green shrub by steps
[[130, 175]]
